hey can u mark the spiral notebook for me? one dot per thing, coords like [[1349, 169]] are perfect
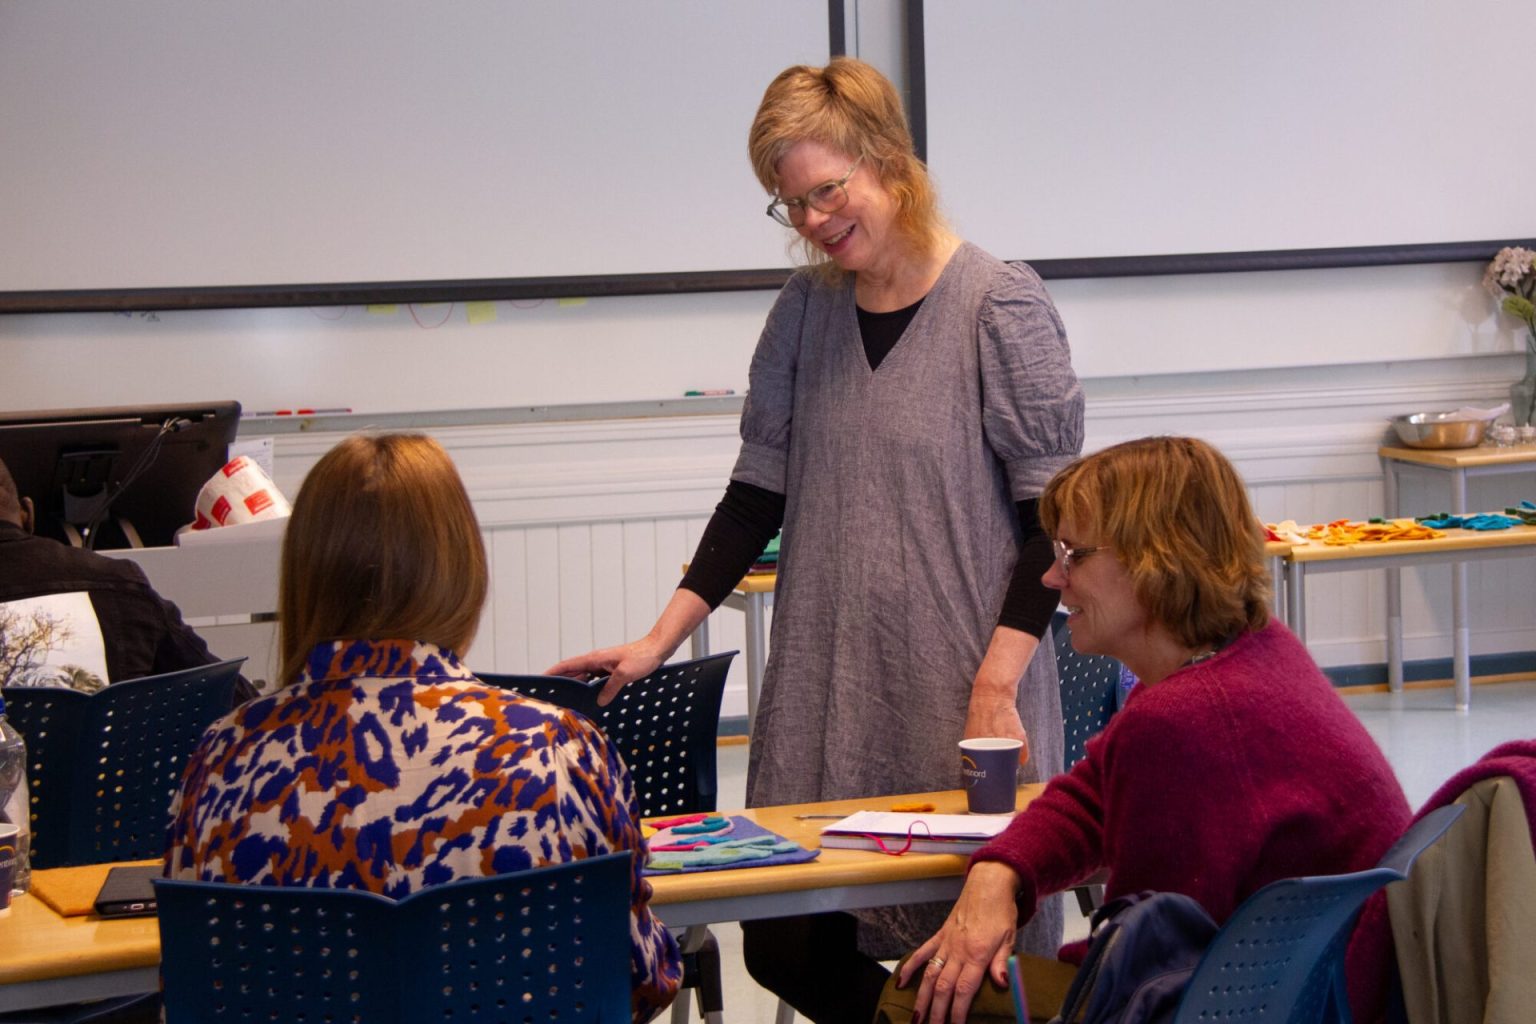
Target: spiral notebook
[[929, 833]]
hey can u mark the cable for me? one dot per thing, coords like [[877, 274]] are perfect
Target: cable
[[146, 459]]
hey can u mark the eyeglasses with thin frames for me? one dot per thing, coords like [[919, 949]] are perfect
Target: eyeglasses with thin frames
[[828, 197], [1067, 556]]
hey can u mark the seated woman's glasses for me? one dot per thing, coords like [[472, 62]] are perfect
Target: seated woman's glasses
[[1068, 556]]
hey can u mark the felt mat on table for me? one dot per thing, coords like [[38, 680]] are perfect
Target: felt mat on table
[[741, 828], [71, 892]]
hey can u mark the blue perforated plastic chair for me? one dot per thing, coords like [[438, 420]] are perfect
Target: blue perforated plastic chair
[[561, 691], [665, 727], [542, 945], [1090, 686], [1280, 956], [102, 767]]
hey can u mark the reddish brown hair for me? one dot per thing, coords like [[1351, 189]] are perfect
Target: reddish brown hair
[[1176, 514]]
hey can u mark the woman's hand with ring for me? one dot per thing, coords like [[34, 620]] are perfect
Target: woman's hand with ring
[[975, 941]]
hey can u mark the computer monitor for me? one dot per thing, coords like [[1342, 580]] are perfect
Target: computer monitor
[[117, 477]]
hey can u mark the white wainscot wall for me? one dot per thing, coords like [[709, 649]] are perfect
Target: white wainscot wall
[[587, 523]]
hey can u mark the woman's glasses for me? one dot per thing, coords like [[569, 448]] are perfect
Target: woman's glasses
[[1068, 556], [825, 198]]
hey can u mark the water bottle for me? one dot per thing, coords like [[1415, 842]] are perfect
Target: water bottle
[[14, 806]]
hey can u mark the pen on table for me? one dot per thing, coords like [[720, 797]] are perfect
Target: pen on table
[[300, 412], [709, 393]]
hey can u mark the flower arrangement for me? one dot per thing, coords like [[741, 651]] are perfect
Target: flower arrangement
[[1511, 278]]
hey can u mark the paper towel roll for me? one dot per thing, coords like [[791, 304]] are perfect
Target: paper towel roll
[[239, 493]]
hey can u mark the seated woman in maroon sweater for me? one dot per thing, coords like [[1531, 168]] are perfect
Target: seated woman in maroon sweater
[[1233, 763]]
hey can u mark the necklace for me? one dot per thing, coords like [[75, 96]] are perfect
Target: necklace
[[1202, 656]]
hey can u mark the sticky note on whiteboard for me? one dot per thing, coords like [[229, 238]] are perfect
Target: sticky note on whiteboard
[[480, 312], [573, 302]]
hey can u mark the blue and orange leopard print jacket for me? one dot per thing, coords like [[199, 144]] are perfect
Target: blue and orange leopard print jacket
[[387, 766]]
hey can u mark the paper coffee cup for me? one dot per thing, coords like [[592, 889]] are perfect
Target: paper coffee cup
[[9, 860], [241, 492], [989, 773]]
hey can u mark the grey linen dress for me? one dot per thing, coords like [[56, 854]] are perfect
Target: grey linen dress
[[900, 537]]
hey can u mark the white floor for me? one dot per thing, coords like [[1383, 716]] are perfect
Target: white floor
[[1423, 737]]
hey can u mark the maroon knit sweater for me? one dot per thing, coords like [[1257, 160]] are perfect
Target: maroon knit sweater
[[1222, 778]]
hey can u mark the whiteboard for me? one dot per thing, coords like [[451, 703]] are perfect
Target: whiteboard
[[1096, 128], [180, 144]]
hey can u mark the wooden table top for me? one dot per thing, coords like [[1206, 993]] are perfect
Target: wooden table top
[[753, 583], [758, 583], [1460, 458], [1453, 541], [38, 944], [833, 868]]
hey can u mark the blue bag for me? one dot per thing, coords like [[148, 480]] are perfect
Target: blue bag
[[1143, 950]]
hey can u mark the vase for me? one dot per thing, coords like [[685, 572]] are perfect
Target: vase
[[1522, 393]]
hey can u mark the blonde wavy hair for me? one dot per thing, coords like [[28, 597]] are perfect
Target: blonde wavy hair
[[850, 107], [1177, 515]]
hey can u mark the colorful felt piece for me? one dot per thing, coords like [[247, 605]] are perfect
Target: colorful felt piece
[[717, 842]]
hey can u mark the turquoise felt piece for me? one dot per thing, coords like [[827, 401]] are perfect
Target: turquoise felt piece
[[708, 825], [1491, 521]]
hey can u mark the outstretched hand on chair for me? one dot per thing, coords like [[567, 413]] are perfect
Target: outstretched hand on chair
[[622, 665]]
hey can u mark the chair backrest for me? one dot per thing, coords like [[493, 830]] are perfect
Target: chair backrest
[[561, 691], [664, 726], [547, 944], [1089, 688], [102, 767], [1280, 956]]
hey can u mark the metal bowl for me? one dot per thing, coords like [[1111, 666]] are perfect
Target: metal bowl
[[1439, 430]]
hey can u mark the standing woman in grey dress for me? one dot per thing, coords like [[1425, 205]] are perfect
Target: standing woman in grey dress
[[910, 397]]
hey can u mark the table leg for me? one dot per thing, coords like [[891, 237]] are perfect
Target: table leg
[[1394, 586], [1461, 644], [1461, 640], [1294, 573], [757, 655], [1394, 631], [1277, 589], [698, 640]]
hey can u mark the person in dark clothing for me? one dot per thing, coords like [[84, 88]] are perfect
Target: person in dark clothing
[[140, 633]]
